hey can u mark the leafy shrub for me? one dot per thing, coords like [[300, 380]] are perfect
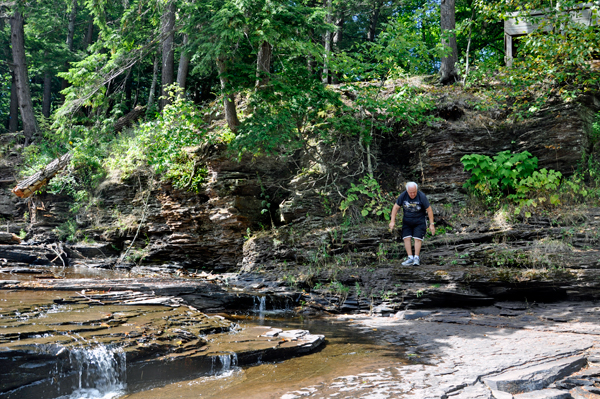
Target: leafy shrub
[[162, 144], [514, 177], [539, 188], [179, 126], [369, 195], [498, 175]]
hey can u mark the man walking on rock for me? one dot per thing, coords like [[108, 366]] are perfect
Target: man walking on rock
[[415, 206]]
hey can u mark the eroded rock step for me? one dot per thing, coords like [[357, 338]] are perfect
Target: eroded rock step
[[42, 334]]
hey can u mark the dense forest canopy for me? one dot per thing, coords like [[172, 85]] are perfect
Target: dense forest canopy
[[75, 73]]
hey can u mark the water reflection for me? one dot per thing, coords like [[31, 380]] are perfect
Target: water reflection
[[347, 352]]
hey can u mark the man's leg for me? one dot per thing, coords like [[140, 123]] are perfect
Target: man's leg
[[406, 237], [417, 246], [419, 234], [408, 246]]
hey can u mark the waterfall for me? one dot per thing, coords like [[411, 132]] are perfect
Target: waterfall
[[260, 306], [227, 362], [97, 372]]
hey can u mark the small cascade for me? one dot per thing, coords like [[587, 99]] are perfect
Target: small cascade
[[260, 306], [224, 363], [276, 304], [95, 372]]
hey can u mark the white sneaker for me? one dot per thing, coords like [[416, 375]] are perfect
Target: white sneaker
[[416, 261], [408, 262]]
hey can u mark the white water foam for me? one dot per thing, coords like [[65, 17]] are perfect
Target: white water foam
[[226, 362], [260, 305], [100, 370]]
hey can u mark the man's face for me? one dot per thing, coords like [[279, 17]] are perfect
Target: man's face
[[412, 192]]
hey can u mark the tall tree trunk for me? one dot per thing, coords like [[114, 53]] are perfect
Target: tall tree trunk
[[13, 116], [168, 55], [374, 20], [263, 64], [46, 102], [469, 46], [337, 38], [448, 72], [89, 36], [153, 85], [327, 42], [71, 26], [17, 36], [184, 63], [339, 33], [228, 98], [70, 34]]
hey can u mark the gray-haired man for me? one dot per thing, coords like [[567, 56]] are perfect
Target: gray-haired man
[[415, 206]]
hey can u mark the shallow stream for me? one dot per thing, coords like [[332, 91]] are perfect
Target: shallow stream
[[347, 352], [96, 365]]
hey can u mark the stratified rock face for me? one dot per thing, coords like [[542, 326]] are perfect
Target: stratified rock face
[[7, 204], [536, 377], [202, 230], [206, 230], [431, 155], [29, 255]]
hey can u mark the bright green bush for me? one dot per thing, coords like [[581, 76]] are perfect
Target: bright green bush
[[166, 144], [514, 177], [498, 175], [368, 195]]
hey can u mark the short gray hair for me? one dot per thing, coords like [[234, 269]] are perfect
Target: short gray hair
[[412, 184]]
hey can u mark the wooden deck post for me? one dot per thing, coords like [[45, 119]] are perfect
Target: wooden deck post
[[508, 49]]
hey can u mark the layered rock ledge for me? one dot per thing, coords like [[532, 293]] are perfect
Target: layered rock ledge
[[46, 338]]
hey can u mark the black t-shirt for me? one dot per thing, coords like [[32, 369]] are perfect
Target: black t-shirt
[[414, 209]]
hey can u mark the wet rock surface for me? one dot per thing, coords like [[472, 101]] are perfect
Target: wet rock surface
[[501, 349], [207, 293], [160, 338], [481, 354]]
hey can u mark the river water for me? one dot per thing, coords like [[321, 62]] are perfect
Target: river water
[[348, 352], [101, 370]]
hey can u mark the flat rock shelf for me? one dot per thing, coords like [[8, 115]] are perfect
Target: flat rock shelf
[[49, 338]]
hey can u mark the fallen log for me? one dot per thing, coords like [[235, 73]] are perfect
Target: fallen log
[[129, 119], [27, 187], [9, 238]]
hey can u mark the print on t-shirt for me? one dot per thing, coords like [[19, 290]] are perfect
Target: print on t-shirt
[[411, 206]]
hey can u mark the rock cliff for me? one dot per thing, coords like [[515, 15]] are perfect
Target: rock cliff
[[153, 223]]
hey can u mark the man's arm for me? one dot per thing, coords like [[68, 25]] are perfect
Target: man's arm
[[393, 217], [430, 215]]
